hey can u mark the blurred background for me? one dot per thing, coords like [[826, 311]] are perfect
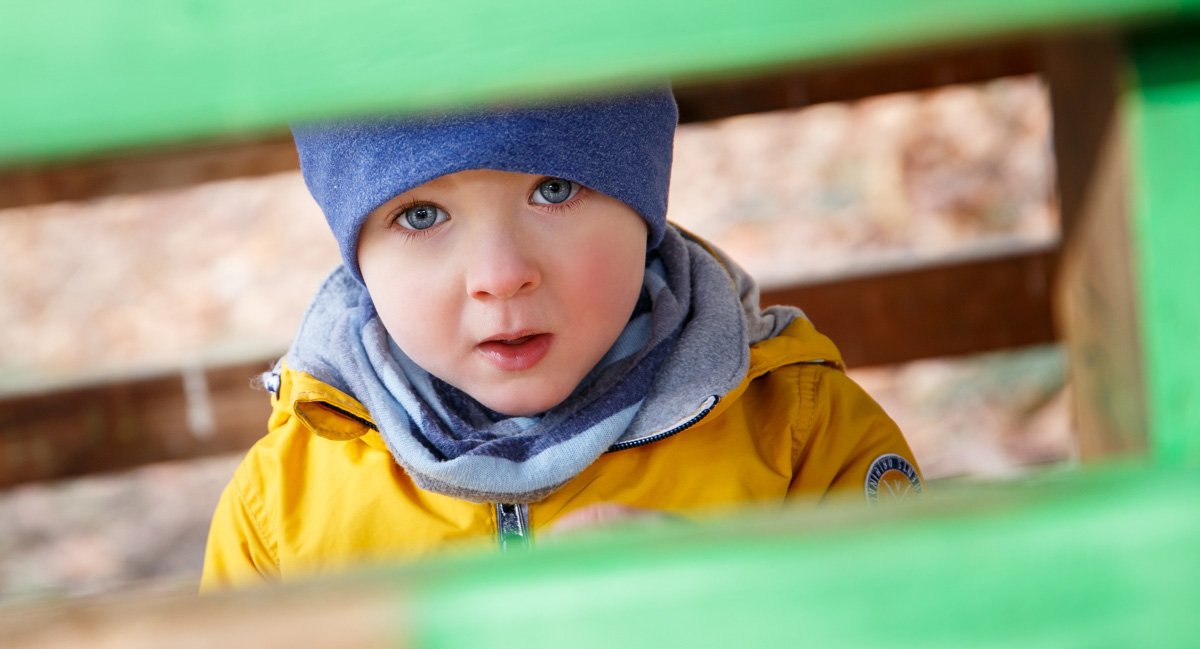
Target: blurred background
[[135, 321]]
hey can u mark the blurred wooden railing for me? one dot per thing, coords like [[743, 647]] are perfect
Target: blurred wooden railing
[[980, 303]]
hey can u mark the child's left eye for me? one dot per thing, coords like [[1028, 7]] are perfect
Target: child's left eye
[[553, 191]]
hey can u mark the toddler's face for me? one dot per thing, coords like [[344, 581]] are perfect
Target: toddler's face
[[508, 286]]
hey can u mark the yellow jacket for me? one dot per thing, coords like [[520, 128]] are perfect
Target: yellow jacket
[[320, 492]]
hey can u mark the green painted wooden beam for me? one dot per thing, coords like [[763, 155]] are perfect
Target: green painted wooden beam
[[1102, 559], [87, 76], [1105, 558], [1165, 126]]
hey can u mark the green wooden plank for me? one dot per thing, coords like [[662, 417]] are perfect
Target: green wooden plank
[[83, 76], [1106, 559], [1165, 125], [1099, 559]]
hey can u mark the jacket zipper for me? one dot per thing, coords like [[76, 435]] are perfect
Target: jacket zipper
[[512, 520], [512, 527], [642, 441]]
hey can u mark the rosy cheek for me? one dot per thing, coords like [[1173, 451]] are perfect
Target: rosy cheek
[[407, 305], [610, 285]]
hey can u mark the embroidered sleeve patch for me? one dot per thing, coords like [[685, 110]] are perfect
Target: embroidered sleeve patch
[[891, 478]]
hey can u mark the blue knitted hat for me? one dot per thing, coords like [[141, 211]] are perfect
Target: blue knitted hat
[[620, 146]]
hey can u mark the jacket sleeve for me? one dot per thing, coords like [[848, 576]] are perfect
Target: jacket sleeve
[[239, 551], [845, 443]]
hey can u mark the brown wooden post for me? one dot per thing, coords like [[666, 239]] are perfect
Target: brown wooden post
[[1096, 305]]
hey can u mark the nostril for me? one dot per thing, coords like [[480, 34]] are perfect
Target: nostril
[[502, 285]]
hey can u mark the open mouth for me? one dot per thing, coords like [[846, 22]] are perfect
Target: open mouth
[[516, 353]]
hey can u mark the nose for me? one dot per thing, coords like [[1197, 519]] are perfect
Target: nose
[[502, 265]]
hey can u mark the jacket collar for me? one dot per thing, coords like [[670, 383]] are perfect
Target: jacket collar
[[324, 410]]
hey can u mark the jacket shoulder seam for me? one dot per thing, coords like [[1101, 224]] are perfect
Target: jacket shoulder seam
[[255, 512], [810, 385]]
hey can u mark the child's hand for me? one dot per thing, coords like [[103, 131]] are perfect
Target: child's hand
[[604, 515]]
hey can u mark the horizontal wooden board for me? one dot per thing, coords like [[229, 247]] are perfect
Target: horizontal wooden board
[[956, 308], [962, 307], [129, 423], [146, 171], [866, 77]]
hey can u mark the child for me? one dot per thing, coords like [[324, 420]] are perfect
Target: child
[[517, 340]]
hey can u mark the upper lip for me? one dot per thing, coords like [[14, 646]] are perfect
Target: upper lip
[[510, 336]]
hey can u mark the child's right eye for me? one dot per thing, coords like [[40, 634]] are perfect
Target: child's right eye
[[421, 217]]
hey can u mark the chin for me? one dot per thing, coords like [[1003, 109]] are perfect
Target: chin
[[521, 407]]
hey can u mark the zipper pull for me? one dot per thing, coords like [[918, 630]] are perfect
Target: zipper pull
[[512, 527]]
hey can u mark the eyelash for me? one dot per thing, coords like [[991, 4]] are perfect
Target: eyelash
[[410, 234]]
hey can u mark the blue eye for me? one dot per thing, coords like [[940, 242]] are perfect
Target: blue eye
[[422, 217], [553, 191]]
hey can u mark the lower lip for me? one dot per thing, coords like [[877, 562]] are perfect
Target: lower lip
[[521, 356]]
